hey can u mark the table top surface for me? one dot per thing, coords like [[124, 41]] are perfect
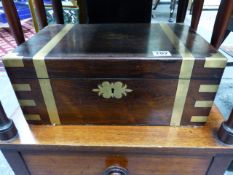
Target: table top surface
[[122, 137]]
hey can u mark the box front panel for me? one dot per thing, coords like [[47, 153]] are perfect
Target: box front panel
[[114, 101]]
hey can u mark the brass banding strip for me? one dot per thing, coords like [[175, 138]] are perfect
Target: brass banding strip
[[41, 71], [203, 104], [38, 58], [200, 119], [184, 77], [13, 60], [27, 103], [34, 117], [22, 87], [50, 103], [215, 61], [208, 88]]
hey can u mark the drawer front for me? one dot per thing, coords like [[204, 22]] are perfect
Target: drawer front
[[96, 164]]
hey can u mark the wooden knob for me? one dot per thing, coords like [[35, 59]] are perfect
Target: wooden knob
[[115, 170]]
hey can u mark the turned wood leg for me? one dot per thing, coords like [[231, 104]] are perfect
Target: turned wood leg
[[13, 20], [196, 13], [226, 34], [181, 11], [83, 14], [221, 22], [7, 127], [225, 133], [58, 11], [40, 13], [15, 160]]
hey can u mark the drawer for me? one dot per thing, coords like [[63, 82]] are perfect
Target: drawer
[[53, 163]]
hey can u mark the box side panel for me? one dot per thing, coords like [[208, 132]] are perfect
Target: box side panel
[[199, 101], [201, 94], [26, 86], [200, 61], [31, 100]]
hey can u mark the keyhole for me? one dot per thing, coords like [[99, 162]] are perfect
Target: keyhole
[[112, 90]]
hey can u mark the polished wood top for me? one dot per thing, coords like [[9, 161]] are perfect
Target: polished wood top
[[121, 41], [144, 138], [115, 51]]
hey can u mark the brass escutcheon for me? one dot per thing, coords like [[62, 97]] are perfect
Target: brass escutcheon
[[112, 90]]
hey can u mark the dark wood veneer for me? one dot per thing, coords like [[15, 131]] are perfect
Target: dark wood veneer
[[88, 55], [44, 149], [96, 163]]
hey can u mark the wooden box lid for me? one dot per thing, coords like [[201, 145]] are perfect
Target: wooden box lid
[[116, 51]]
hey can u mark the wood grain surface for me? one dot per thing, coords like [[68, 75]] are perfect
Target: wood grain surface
[[146, 137], [43, 163], [94, 53], [63, 72], [140, 149], [150, 103]]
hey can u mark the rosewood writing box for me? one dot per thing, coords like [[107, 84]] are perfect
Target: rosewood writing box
[[125, 74]]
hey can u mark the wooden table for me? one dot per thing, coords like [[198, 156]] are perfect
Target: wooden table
[[43, 149]]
